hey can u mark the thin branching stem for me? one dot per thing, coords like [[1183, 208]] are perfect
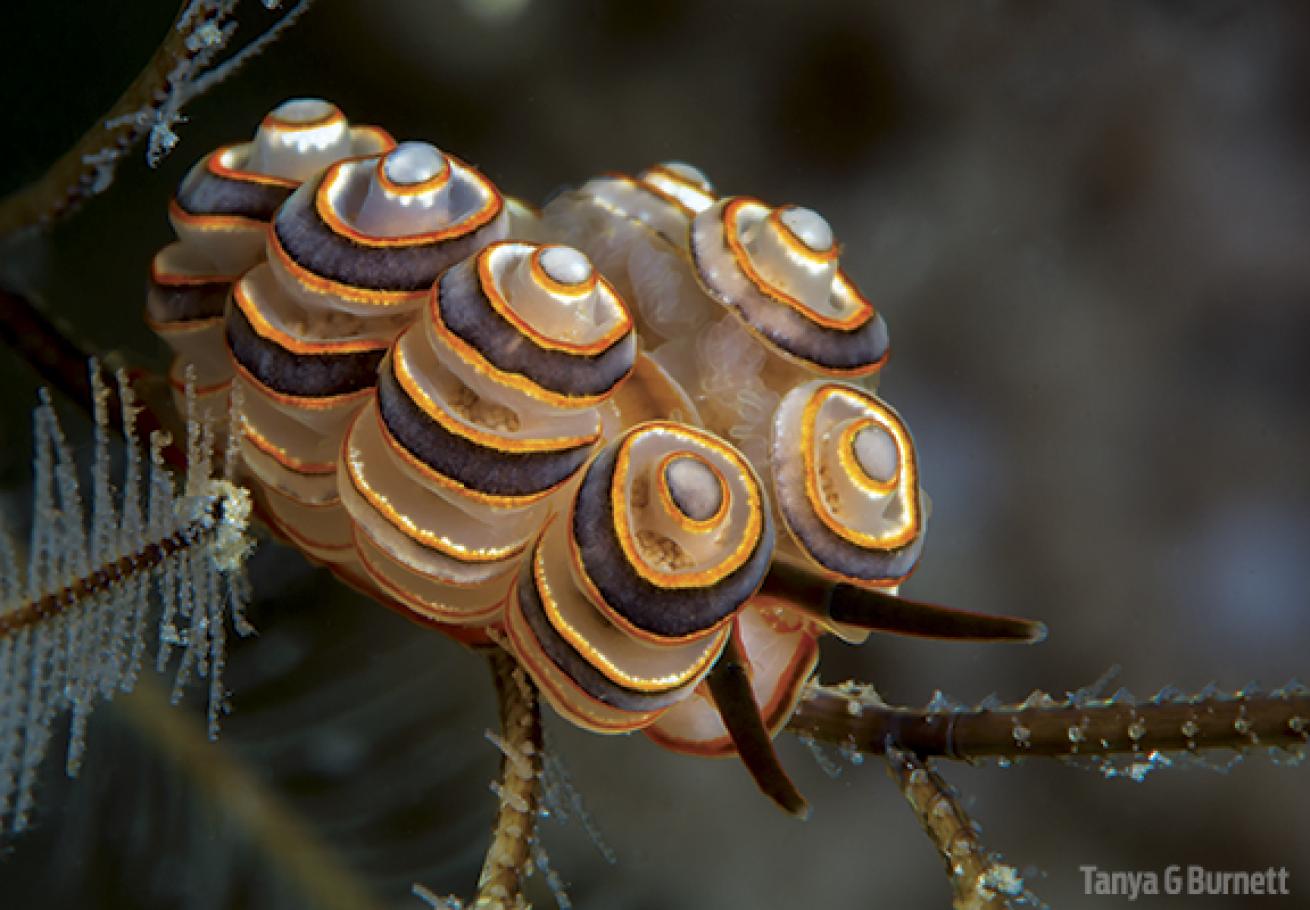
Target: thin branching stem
[[197, 535], [978, 880], [509, 853], [181, 68], [71, 180], [61, 362], [849, 716]]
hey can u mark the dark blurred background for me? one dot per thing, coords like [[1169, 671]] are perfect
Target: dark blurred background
[[1086, 225]]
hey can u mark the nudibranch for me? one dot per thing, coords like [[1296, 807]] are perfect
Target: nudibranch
[[221, 214], [628, 598], [777, 270], [486, 409], [352, 255], [632, 438], [846, 483], [635, 230]]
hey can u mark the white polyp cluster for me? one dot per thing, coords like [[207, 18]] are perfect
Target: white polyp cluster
[[108, 577], [409, 192], [299, 138], [794, 252]]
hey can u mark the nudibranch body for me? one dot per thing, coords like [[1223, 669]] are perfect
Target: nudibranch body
[[221, 214], [352, 255], [746, 306], [623, 437], [485, 410], [629, 597]]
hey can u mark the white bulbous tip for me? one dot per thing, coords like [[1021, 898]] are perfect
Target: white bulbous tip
[[809, 227], [409, 192], [411, 163], [694, 488], [876, 454], [687, 172], [303, 111], [565, 265], [299, 138]]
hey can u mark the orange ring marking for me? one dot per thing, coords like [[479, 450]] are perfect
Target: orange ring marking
[[426, 608], [796, 245], [408, 527], [863, 311], [361, 531], [332, 115], [684, 521], [316, 282], [417, 394], [492, 205], [851, 464], [215, 223], [545, 676], [750, 535], [516, 381], [223, 162], [431, 184], [559, 288], [490, 285], [282, 456], [283, 339], [182, 279], [589, 653], [502, 500], [304, 402], [907, 474]]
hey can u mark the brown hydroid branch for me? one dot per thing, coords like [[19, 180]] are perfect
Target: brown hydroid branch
[[183, 66], [76, 175], [520, 741], [979, 882], [62, 363], [854, 716], [198, 534]]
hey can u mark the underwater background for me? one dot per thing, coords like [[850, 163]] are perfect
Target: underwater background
[[1088, 228]]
